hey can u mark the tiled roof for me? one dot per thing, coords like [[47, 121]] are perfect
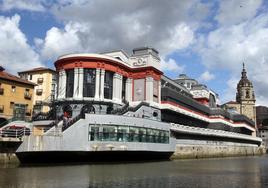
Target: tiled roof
[[37, 69], [6, 76], [232, 102]]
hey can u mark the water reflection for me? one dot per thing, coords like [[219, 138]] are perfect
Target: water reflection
[[227, 172]]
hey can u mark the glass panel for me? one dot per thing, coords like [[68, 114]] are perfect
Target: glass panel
[[94, 133], [122, 134], [89, 82], [108, 85], [133, 134], [142, 135], [69, 83], [109, 133]]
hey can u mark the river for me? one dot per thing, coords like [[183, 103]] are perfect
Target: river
[[235, 172]]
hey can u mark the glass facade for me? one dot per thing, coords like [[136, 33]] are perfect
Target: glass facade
[[118, 133], [69, 83], [89, 83], [108, 85]]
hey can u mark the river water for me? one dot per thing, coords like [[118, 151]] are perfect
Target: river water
[[236, 172]]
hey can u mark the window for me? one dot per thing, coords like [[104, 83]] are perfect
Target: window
[[11, 105], [89, 82], [155, 91], [31, 76], [108, 85], [69, 83], [139, 90], [124, 89], [1, 90], [247, 93], [124, 133], [13, 89]]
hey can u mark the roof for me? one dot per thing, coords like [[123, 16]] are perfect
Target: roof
[[7, 76], [37, 70], [232, 102]]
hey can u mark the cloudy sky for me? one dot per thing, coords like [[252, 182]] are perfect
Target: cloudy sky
[[207, 40]]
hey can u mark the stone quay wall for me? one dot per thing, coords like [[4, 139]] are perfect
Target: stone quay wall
[[190, 149]]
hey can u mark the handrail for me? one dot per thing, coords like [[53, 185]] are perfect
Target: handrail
[[68, 124], [17, 133]]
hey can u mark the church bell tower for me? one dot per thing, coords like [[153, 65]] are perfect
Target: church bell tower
[[245, 96]]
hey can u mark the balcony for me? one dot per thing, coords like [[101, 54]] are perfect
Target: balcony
[[40, 80], [1, 91], [1, 108], [27, 96], [39, 91]]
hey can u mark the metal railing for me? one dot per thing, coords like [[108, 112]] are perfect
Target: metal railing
[[15, 133]]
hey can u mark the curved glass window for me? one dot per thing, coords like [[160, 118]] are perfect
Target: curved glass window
[[89, 82], [69, 83], [118, 133], [108, 85]]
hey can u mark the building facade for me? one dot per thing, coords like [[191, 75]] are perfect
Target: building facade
[[16, 97], [44, 92], [245, 97], [262, 123], [112, 78], [200, 92]]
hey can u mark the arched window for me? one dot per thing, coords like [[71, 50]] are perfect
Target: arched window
[[89, 82], [247, 93]]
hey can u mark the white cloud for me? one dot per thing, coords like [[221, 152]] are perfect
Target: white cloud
[[171, 65], [228, 46], [206, 76], [16, 54], [109, 25], [237, 11], [62, 41], [36, 5]]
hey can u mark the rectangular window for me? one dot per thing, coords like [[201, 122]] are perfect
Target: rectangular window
[[155, 91], [108, 85], [13, 89], [11, 105], [89, 82], [124, 89], [69, 83], [139, 90], [31, 76]]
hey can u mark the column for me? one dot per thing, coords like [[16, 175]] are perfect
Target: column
[[62, 84], [159, 91], [149, 89], [115, 87], [120, 82], [81, 82], [102, 74], [129, 89], [59, 84], [76, 82], [97, 84]]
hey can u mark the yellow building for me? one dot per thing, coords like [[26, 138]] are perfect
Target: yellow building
[[15, 97], [44, 92]]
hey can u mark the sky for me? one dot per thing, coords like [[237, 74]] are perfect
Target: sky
[[206, 39]]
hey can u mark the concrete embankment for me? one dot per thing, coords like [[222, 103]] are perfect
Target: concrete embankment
[[186, 149]]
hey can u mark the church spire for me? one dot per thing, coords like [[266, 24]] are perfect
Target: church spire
[[244, 72]]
